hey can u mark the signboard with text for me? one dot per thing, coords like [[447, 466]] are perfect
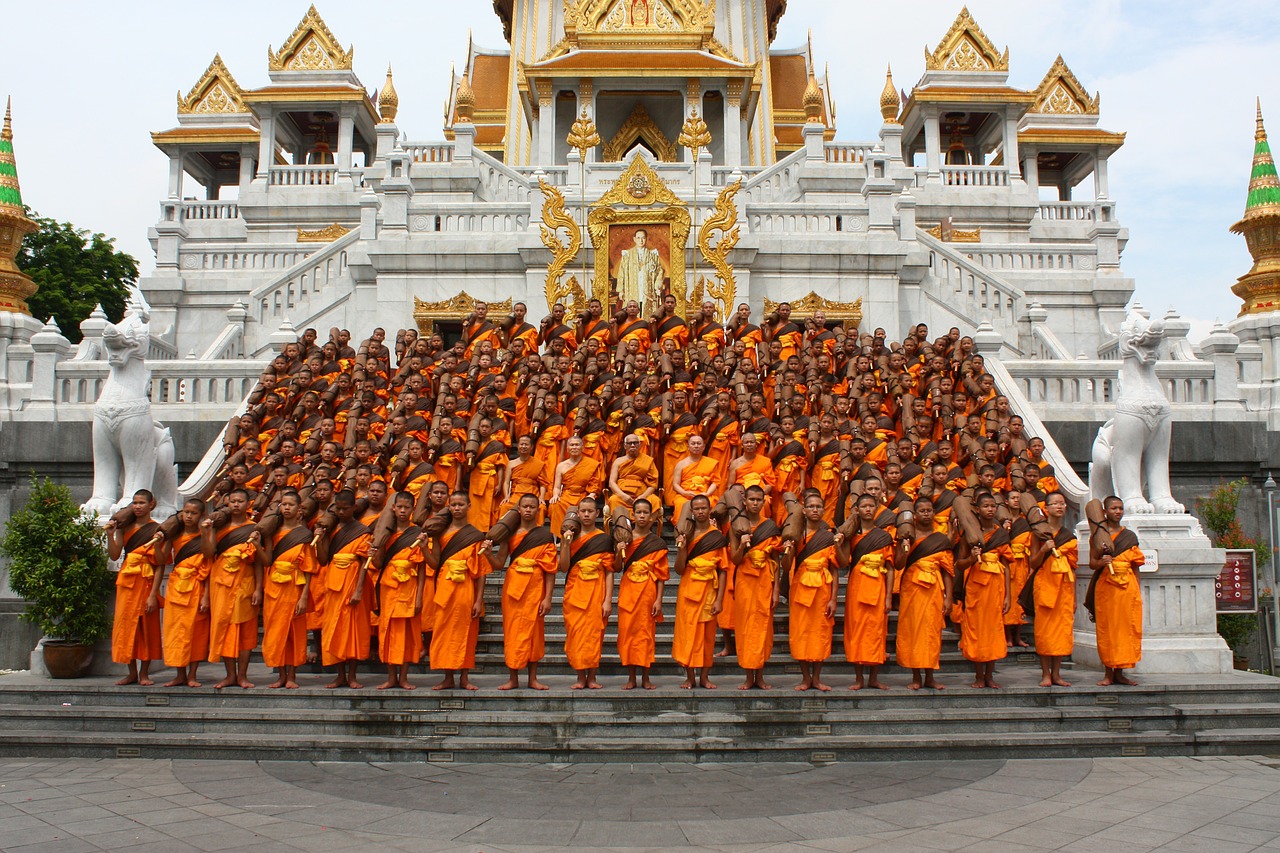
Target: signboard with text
[[1236, 589]]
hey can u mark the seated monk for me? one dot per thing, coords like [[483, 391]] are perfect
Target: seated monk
[[694, 475], [633, 477], [576, 478]]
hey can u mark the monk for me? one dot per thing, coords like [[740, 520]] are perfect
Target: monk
[[234, 592], [402, 583], [461, 566], [526, 592], [286, 589], [526, 475], [186, 628], [868, 595], [135, 631], [632, 477], [752, 468], [813, 589], [1020, 546], [576, 478], [345, 624], [1117, 597], [986, 595], [926, 563], [645, 571], [693, 476], [1054, 592], [587, 558], [829, 455], [486, 477], [703, 565], [754, 553]]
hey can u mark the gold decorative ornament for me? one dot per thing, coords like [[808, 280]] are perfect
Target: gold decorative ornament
[[324, 235], [388, 100], [695, 136], [554, 221], [311, 47], [16, 287], [849, 314], [965, 47], [583, 135], [890, 101], [639, 186], [427, 314], [639, 126], [1061, 93], [464, 103], [215, 92], [812, 101], [724, 220], [944, 232]]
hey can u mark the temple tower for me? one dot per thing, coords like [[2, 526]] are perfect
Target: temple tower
[[15, 285]]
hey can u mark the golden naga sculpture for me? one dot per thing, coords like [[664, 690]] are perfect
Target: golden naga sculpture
[[556, 219], [724, 220]]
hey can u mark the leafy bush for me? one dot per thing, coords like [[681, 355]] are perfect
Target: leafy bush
[[59, 565]]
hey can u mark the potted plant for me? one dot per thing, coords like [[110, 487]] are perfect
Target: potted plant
[[58, 564]]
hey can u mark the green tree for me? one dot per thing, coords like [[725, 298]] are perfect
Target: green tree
[[75, 270], [1219, 511]]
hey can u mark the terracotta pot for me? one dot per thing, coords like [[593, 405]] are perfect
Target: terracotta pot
[[65, 659]]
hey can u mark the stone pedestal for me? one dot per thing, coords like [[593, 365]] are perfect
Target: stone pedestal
[[1179, 616]]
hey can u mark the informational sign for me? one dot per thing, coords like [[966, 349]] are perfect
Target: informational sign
[[1151, 561], [1237, 586]]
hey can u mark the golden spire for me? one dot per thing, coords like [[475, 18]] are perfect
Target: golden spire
[[388, 100], [583, 135], [15, 286], [812, 101], [464, 105], [1260, 225], [889, 102], [1259, 134]]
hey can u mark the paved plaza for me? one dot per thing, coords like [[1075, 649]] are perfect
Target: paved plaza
[[1222, 805]]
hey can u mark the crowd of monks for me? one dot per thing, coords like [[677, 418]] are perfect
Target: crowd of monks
[[368, 492]]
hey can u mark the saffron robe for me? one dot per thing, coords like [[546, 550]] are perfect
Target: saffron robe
[[1054, 594], [399, 626], [1019, 570], [634, 476], [284, 632], [866, 619], [135, 633], [590, 557], [186, 629], [753, 583], [810, 628], [645, 566], [533, 557], [696, 478], [345, 629], [578, 482], [1118, 604], [233, 620], [983, 639], [694, 640], [920, 616], [454, 630]]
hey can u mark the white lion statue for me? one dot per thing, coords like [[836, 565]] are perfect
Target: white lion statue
[[130, 450], [1133, 447]]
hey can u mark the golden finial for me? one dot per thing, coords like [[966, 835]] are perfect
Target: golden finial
[[7, 133], [388, 100], [812, 102], [464, 105], [694, 134], [583, 135], [1259, 135], [889, 102]]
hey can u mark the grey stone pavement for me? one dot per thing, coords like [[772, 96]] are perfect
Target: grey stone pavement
[[1220, 805]]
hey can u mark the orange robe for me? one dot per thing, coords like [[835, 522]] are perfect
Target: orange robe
[[637, 330], [722, 445], [233, 620], [694, 640], [810, 628], [982, 638], [447, 467], [135, 634], [345, 629], [1118, 605], [789, 469], [824, 476], [186, 629], [753, 584], [1054, 594], [454, 630], [634, 476], [578, 482], [527, 478], [866, 619], [646, 565], [590, 557], [791, 336], [1019, 570], [284, 632], [399, 620], [696, 478], [757, 472], [920, 617], [674, 448], [533, 557], [483, 485]]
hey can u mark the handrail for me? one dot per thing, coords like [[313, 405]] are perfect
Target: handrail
[[975, 176], [515, 180], [311, 264], [986, 295]]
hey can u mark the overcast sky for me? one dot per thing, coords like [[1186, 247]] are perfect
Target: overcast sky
[[89, 81]]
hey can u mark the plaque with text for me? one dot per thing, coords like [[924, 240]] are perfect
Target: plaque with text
[[1236, 589]]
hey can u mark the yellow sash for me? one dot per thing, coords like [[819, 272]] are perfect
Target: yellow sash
[[399, 571], [286, 571], [454, 570]]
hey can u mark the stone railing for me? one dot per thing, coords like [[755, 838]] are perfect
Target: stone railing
[[429, 152], [721, 176], [481, 218], [292, 291], [1086, 389], [206, 210], [975, 176], [786, 219], [557, 176], [301, 176], [181, 389], [970, 290], [241, 259], [160, 350], [230, 341], [1067, 211], [499, 182], [1037, 258], [779, 182], [842, 152]]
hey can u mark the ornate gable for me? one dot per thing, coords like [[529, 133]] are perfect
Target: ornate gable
[[638, 127], [588, 16], [215, 92], [1061, 93], [312, 47], [966, 47]]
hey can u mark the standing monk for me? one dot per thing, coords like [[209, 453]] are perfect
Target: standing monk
[[1117, 597], [755, 556], [285, 593], [526, 592], [401, 586], [345, 624], [577, 477], [461, 566], [986, 596], [752, 468], [135, 632], [703, 565], [645, 571], [186, 626], [587, 559], [1054, 592], [868, 595], [812, 593], [488, 472], [926, 563], [234, 592]]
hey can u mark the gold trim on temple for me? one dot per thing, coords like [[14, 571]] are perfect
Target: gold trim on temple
[[848, 313], [324, 235], [427, 314], [724, 220]]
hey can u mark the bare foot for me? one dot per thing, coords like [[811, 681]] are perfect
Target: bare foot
[[291, 685], [648, 685], [876, 685], [1022, 645], [386, 685], [764, 685], [993, 685], [933, 685], [1046, 682], [706, 684], [915, 685], [510, 685], [630, 685], [244, 684], [746, 685], [825, 688], [857, 685], [145, 682], [177, 682], [446, 684], [467, 685], [687, 684], [593, 685], [1058, 682], [1120, 679], [405, 685], [1105, 682], [578, 685], [336, 683], [231, 679], [723, 653], [191, 682], [978, 685], [535, 684], [804, 685], [354, 685], [128, 679], [276, 685]]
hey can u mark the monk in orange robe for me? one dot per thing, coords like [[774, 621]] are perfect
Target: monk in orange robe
[[486, 479], [829, 456], [588, 559], [693, 476], [868, 595], [526, 593], [135, 631], [926, 564], [635, 328], [418, 473], [812, 594], [402, 583], [1020, 547], [1117, 598], [702, 562], [986, 596], [186, 629], [633, 477], [478, 327], [286, 587], [1054, 592], [450, 456], [461, 566], [753, 468], [723, 435], [577, 477], [526, 475], [234, 593], [789, 464], [345, 628], [754, 552], [645, 571]]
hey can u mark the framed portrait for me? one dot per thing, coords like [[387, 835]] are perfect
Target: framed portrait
[[640, 263]]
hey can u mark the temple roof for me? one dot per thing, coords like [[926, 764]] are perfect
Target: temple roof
[[1264, 185], [215, 92], [311, 47], [1060, 92], [774, 10], [966, 47]]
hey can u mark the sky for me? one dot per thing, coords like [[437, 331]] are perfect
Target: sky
[[1180, 78]]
